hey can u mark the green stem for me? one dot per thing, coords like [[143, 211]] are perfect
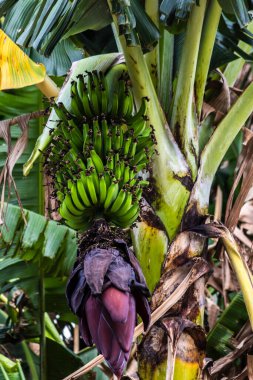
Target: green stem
[[41, 209], [20, 371], [29, 361], [210, 27], [217, 147], [51, 330], [116, 37], [169, 165], [243, 274], [166, 45], [5, 376], [43, 365], [152, 57], [183, 122], [48, 88]]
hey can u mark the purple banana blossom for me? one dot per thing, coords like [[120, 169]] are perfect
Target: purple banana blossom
[[105, 290]]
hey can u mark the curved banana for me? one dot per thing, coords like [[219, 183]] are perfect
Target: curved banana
[[98, 163], [75, 197], [118, 201], [82, 194], [111, 194], [102, 189], [71, 205], [126, 205], [92, 190]]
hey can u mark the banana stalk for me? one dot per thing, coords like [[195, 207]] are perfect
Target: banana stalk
[[183, 120], [173, 186], [48, 88], [208, 36], [180, 352], [150, 247], [215, 150], [152, 57], [173, 182]]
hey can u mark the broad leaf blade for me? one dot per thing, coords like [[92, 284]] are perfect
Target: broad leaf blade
[[39, 239], [17, 69]]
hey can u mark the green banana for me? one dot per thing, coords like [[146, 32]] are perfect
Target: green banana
[[132, 149], [126, 205], [102, 189], [74, 105], [75, 197], [80, 86], [82, 194], [86, 103], [133, 210], [97, 150], [64, 211], [81, 225], [111, 193], [142, 111], [85, 133], [104, 101], [95, 126], [109, 163], [128, 113], [108, 143], [97, 162], [126, 146], [139, 127], [117, 171], [95, 179], [125, 104], [126, 175], [92, 89], [92, 190], [118, 201], [98, 143], [60, 196], [81, 164], [127, 222], [71, 205], [115, 105]]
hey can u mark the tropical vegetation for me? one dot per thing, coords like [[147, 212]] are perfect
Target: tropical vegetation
[[126, 165]]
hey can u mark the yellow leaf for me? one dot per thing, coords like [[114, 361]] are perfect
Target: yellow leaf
[[16, 68]]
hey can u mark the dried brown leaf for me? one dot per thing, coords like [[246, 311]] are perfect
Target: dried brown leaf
[[245, 171], [223, 362], [14, 152]]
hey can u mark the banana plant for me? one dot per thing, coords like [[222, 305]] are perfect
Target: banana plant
[[122, 143]]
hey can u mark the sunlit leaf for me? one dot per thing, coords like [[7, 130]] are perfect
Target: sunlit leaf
[[16, 68]]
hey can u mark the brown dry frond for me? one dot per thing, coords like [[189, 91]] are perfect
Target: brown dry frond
[[13, 153]]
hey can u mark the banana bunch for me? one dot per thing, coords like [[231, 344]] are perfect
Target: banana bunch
[[97, 152]]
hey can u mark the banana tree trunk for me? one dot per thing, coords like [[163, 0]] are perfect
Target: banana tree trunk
[[174, 348]]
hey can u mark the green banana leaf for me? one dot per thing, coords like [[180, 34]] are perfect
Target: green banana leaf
[[38, 240], [42, 25], [219, 339]]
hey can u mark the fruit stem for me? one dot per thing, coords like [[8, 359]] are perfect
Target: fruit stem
[[48, 88]]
